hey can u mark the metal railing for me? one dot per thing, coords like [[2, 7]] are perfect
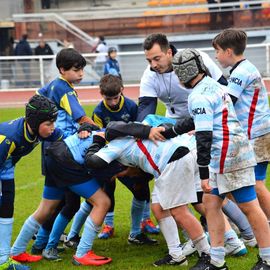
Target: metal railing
[[34, 71]]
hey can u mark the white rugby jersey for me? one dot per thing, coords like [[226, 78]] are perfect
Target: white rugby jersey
[[144, 154], [167, 85], [252, 107], [212, 109]]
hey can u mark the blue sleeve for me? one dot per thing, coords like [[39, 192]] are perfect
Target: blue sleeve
[[147, 105], [106, 68], [5, 150]]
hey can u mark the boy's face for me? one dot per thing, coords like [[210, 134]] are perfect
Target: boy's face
[[160, 61], [73, 75], [46, 129], [112, 102], [113, 54], [223, 56]]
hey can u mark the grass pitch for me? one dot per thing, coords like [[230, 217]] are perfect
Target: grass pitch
[[29, 186]]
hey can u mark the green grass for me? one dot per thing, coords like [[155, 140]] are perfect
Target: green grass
[[29, 186]]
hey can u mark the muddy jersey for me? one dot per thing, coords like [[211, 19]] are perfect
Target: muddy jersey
[[212, 110], [252, 107], [150, 157]]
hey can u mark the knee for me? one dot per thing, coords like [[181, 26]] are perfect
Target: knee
[[260, 187], [158, 212], [105, 203]]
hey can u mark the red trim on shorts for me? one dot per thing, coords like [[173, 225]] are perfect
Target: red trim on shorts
[[225, 143], [252, 110], [148, 156]]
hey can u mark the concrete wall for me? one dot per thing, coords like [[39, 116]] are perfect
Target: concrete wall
[[9, 7]]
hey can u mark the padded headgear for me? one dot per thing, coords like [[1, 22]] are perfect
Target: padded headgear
[[38, 110], [187, 64]]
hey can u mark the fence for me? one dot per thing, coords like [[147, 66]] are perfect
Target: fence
[[34, 71]]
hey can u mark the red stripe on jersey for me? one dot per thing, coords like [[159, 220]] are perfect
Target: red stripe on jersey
[[147, 154], [252, 110], [225, 143]]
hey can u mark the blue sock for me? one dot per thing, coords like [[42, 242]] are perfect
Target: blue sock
[[137, 209], [232, 210], [89, 233], [29, 228], [5, 232], [79, 219], [109, 219], [58, 228], [146, 211], [217, 256], [42, 238], [265, 254]]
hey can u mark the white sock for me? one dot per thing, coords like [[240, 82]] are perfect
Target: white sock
[[169, 230], [201, 244]]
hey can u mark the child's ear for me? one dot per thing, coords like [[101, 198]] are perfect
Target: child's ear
[[61, 70], [229, 51]]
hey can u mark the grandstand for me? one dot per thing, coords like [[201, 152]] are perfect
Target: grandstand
[[124, 24]]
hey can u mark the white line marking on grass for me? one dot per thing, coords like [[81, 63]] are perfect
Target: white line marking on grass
[[32, 184]]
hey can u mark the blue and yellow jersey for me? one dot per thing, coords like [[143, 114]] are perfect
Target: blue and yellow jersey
[[127, 112], [65, 97], [16, 142]]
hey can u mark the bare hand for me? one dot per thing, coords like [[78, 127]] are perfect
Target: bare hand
[[84, 134], [205, 186], [155, 134], [101, 134]]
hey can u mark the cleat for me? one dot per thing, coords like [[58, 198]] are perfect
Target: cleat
[[72, 242], [107, 232], [235, 249], [90, 258], [51, 254], [202, 263], [63, 237], [261, 265], [26, 257], [36, 250], [250, 242], [142, 239], [188, 248], [147, 226], [13, 265], [169, 260]]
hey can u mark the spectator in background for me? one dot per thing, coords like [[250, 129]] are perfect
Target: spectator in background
[[101, 59], [112, 65], [23, 49], [43, 48], [45, 4], [213, 13], [227, 13]]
